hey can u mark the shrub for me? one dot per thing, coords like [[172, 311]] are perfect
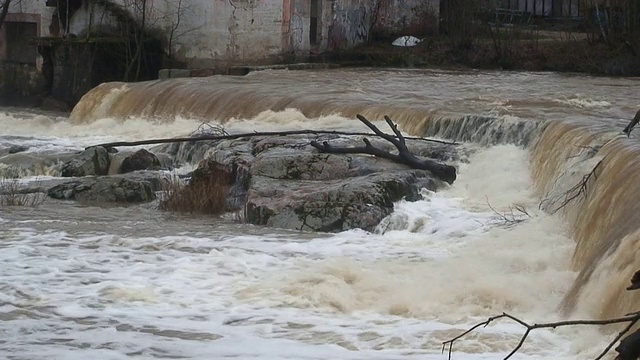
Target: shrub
[[14, 194], [206, 193]]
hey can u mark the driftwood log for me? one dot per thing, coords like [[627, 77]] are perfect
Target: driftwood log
[[628, 349], [247, 135], [443, 172]]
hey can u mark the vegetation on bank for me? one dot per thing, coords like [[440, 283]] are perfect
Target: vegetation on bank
[[566, 53], [603, 40]]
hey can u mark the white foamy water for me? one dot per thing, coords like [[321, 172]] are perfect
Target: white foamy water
[[80, 282], [73, 290]]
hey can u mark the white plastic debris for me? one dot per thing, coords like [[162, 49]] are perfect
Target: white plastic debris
[[406, 41]]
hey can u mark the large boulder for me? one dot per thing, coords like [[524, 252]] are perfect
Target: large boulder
[[283, 182], [140, 160], [332, 205], [92, 161], [108, 189]]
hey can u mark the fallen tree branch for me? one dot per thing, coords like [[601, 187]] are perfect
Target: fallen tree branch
[[629, 348], [632, 319], [253, 134], [444, 172]]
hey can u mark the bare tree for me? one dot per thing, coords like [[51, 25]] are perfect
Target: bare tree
[[172, 31], [4, 10], [140, 10], [175, 27]]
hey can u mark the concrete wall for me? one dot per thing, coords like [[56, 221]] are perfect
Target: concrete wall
[[91, 16], [217, 33]]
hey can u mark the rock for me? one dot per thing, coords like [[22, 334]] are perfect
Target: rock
[[283, 182], [140, 160], [92, 161], [335, 205], [302, 166], [17, 149], [185, 152], [109, 189]]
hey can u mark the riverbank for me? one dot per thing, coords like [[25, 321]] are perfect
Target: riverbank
[[542, 51], [518, 50]]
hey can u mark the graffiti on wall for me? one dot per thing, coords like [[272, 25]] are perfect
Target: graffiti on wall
[[296, 31], [350, 26]]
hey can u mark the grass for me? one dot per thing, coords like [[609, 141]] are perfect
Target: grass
[[206, 193], [12, 194]]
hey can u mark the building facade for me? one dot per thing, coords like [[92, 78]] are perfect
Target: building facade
[[74, 45]]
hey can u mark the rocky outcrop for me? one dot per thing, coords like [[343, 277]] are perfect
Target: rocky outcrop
[[276, 181], [92, 161], [283, 182], [109, 189], [332, 205]]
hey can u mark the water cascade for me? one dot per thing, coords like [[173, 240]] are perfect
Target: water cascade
[[603, 218]]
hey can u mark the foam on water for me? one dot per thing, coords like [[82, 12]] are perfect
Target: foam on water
[[432, 269], [50, 134], [54, 134]]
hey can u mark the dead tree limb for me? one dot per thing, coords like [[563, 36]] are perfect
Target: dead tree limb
[[517, 214], [253, 134], [632, 319], [443, 172], [629, 348]]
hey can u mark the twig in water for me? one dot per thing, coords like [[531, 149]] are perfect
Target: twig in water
[[514, 216]]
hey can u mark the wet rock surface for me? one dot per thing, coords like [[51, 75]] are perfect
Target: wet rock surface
[[140, 160], [283, 182], [275, 181], [109, 189], [92, 161]]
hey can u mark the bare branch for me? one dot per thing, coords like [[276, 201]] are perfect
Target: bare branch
[[632, 319], [579, 189], [444, 172], [513, 217]]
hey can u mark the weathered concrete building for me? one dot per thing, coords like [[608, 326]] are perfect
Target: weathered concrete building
[[93, 41]]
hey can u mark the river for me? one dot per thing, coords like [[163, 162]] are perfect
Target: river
[[79, 281]]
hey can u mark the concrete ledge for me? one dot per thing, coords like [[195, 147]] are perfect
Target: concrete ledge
[[239, 70], [244, 70]]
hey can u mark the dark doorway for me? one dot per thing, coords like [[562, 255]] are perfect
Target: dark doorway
[[314, 23]]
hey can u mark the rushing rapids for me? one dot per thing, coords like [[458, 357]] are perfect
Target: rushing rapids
[[432, 268]]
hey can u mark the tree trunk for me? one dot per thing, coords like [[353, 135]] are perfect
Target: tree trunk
[[4, 10]]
